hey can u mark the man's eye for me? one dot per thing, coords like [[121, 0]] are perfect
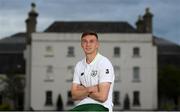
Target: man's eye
[[91, 41]]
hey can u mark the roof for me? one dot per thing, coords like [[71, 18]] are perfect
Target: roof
[[13, 44], [15, 38], [16, 42], [166, 47], [97, 26]]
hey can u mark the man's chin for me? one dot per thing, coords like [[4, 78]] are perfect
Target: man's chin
[[88, 52]]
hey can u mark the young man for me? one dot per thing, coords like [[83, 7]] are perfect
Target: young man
[[93, 78]]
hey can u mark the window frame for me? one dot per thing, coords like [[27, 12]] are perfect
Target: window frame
[[116, 101], [70, 51], [136, 74], [49, 98], [70, 101], [136, 98], [136, 52], [117, 51], [117, 72]]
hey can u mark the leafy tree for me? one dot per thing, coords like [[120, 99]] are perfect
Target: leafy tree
[[169, 82], [13, 87]]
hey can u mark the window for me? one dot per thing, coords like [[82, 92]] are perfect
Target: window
[[117, 73], [49, 69], [70, 70], [69, 97], [48, 98], [70, 52], [49, 48], [136, 52], [116, 51], [136, 74], [49, 51], [116, 98], [136, 98], [49, 73]]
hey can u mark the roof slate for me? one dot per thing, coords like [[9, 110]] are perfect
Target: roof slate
[[97, 26]]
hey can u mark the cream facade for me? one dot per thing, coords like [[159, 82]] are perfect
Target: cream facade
[[133, 55]]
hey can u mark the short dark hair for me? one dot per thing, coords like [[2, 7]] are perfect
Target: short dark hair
[[89, 33]]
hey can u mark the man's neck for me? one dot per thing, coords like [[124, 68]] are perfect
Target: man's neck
[[90, 57]]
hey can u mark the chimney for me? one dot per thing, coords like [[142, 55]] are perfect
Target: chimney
[[31, 22], [140, 24], [148, 21]]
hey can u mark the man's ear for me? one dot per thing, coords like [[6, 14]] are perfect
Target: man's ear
[[98, 44], [81, 45]]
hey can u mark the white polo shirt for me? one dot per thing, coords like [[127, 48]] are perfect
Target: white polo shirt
[[98, 71]]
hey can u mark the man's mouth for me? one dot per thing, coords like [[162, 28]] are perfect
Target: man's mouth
[[88, 48]]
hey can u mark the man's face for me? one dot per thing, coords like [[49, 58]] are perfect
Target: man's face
[[90, 44]]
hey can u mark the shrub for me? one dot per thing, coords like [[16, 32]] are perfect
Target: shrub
[[5, 107]]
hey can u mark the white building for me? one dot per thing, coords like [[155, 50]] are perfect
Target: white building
[[133, 56], [54, 53]]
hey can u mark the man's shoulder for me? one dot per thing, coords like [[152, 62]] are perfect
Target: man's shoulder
[[80, 63], [104, 61]]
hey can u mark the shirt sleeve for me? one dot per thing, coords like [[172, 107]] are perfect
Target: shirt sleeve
[[76, 75], [106, 72]]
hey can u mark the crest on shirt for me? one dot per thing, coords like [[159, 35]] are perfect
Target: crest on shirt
[[93, 73]]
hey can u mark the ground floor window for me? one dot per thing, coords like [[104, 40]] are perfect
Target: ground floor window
[[116, 98], [69, 97], [48, 98], [136, 98]]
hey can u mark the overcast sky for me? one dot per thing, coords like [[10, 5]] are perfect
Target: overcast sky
[[166, 20]]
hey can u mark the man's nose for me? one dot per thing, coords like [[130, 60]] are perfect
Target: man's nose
[[88, 43]]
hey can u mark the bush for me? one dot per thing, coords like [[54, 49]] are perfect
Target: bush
[[5, 107], [168, 106]]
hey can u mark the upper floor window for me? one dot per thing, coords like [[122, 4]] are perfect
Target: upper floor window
[[49, 73], [136, 74], [116, 51], [70, 52], [117, 73], [49, 51], [136, 98], [70, 70], [49, 69], [49, 98], [136, 51]]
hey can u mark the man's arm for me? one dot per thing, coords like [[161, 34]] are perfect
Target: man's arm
[[78, 92], [98, 92], [102, 94]]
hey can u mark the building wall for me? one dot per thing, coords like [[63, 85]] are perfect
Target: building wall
[[52, 67]]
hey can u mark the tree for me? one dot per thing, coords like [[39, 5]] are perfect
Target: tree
[[13, 87], [59, 103], [169, 83], [126, 102]]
